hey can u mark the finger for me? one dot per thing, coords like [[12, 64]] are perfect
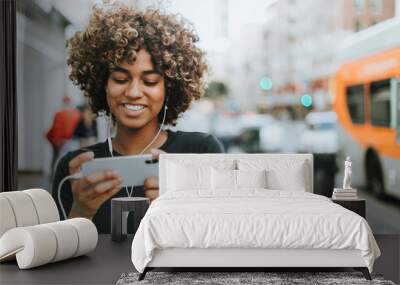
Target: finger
[[99, 176], [76, 162], [87, 188], [78, 185], [95, 192], [80, 188], [155, 152], [151, 193], [105, 186], [101, 198], [151, 182]]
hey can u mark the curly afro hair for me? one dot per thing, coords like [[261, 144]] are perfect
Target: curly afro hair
[[117, 33]]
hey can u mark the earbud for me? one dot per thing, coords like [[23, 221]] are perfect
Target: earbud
[[166, 103]]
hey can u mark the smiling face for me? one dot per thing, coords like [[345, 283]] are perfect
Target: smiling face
[[136, 92]]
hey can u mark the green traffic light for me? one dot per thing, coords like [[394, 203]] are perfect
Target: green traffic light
[[306, 100], [266, 83]]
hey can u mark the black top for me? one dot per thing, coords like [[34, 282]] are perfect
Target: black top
[[177, 142]]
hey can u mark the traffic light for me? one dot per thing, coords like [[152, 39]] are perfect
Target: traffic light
[[266, 83], [306, 100]]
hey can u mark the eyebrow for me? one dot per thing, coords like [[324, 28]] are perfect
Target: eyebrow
[[126, 71]]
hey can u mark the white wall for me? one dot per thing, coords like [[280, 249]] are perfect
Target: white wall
[[40, 88]]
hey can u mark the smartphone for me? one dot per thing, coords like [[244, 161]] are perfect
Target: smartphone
[[133, 169]]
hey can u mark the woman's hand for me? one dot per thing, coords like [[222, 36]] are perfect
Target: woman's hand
[[91, 191], [151, 186]]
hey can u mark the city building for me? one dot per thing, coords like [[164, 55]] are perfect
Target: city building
[[361, 14]]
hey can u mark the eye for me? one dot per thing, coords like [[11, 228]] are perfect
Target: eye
[[150, 83], [120, 81]]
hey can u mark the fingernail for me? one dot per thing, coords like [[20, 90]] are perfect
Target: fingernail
[[90, 154], [113, 172]]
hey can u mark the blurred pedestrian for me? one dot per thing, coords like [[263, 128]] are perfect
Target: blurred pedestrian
[[86, 130], [62, 129]]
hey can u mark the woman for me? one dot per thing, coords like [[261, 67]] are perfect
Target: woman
[[143, 69]]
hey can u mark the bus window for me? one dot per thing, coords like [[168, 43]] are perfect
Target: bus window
[[398, 113], [380, 103], [355, 103], [396, 107]]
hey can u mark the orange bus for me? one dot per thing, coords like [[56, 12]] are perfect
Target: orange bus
[[367, 103]]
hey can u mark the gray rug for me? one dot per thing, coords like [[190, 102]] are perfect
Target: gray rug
[[229, 278]]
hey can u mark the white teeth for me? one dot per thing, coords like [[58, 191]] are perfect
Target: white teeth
[[134, 107]]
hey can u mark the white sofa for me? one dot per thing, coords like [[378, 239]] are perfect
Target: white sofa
[[31, 231]]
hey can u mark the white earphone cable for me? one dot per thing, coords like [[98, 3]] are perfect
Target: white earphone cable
[[72, 176]]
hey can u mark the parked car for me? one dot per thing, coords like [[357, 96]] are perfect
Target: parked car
[[240, 133], [321, 135], [281, 136]]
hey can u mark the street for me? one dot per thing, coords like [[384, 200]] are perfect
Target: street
[[383, 215]]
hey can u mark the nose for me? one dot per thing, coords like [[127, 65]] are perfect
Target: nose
[[134, 90]]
